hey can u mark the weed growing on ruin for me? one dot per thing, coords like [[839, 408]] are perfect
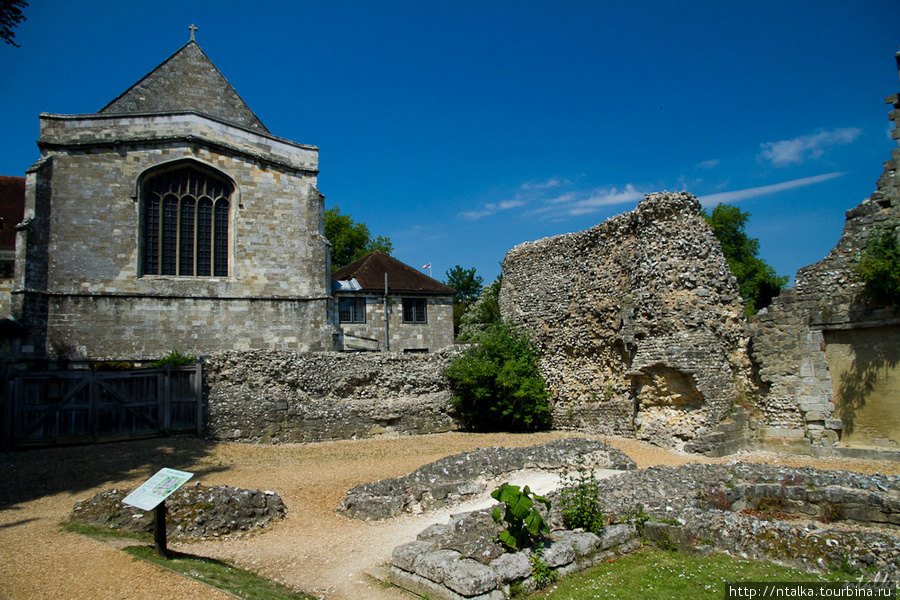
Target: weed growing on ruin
[[879, 268], [497, 385], [716, 497], [579, 498], [523, 522], [175, 358], [541, 571]]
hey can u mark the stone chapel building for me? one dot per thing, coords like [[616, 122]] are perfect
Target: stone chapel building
[[172, 218]]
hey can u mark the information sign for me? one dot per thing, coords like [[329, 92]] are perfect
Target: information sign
[[157, 488]]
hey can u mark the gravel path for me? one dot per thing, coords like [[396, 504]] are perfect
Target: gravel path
[[314, 549]]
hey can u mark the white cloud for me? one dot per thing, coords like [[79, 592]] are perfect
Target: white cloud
[[543, 185], [708, 164], [728, 197], [557, 202], [800, 149], [491, 209], [581, 203]]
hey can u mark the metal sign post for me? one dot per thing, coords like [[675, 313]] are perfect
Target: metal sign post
[[152, 496]]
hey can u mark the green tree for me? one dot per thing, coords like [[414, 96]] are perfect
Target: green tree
[[483, 313], [879, 268], [756, 279], [467, 285], [497, 384], [350, 240], [10, 17]]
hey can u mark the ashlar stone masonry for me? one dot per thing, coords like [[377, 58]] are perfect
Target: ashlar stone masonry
[[169, 219], [638, 321]]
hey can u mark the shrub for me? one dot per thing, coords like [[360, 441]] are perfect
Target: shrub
[[879, 268], [523, 522], [579, 498], [497, 384], [175, 358]]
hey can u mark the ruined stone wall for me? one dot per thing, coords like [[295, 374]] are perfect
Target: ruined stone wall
[[270, 396], [803, 399], [638, 322]]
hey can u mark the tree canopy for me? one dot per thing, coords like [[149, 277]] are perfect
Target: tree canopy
[[879, 268], [468, 286], [350, 240], [10, 16], [466, 283], [756, 279]]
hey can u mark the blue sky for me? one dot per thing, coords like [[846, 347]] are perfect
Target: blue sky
[[460, 129]]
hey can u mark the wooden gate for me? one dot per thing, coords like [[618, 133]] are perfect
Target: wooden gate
[[82, 406]]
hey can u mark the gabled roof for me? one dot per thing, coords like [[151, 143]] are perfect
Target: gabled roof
[[186, 82], [369, 272]]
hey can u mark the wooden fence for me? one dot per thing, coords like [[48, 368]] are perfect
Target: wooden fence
[[59, 407]]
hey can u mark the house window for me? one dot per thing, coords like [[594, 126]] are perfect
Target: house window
[[352, 310], [185, 224], [414, 310]]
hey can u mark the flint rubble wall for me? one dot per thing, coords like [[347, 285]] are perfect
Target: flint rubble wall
[[638, 321], [278, 396]]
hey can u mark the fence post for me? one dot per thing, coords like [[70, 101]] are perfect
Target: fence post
[[198, 395], [166, 421], [93, 412], [8, 411]]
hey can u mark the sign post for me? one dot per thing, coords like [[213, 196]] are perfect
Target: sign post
[[152, 494]]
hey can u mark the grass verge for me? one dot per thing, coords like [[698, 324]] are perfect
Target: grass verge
[[220, 575], [654, 574]]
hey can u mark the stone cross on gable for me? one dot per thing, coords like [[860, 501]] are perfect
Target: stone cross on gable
[[193, 29]]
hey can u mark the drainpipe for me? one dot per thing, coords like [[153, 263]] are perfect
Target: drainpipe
[[387, 325]]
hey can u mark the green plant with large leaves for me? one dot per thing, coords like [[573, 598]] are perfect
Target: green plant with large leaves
[[497, 384], [523, 521]]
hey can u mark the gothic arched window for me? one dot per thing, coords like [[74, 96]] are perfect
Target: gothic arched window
[[185, 223]]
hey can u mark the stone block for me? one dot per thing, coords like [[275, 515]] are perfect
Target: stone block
[[469, 577], [434, 565], [404, 556], [585, 543], [557, 554], [512, 566], [615, 535]]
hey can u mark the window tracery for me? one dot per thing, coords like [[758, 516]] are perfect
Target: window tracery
[[186, 215]]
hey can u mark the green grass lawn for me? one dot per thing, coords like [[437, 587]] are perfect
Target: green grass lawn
[[659, 574], [221, 575]]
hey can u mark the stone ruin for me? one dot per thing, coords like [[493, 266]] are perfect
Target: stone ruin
[[641, 331], [638, 321], [808, 519], [193, 512]]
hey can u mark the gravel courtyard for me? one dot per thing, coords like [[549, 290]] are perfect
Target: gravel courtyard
[[313, 549]]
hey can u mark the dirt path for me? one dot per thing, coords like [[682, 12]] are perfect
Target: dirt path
[[314, 549]]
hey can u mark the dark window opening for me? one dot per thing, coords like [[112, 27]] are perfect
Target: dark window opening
[[352, 310], [414, 310], [181, 234]]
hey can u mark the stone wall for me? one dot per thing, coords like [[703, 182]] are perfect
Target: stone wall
[[434, 334], [803, 398], [638, 321], [271, 396], [79, 282]]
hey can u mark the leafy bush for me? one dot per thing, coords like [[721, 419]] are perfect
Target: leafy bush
[[523, 522], [175, 358], [541, 571], [497, 384], [579, 498], [879, 268]]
